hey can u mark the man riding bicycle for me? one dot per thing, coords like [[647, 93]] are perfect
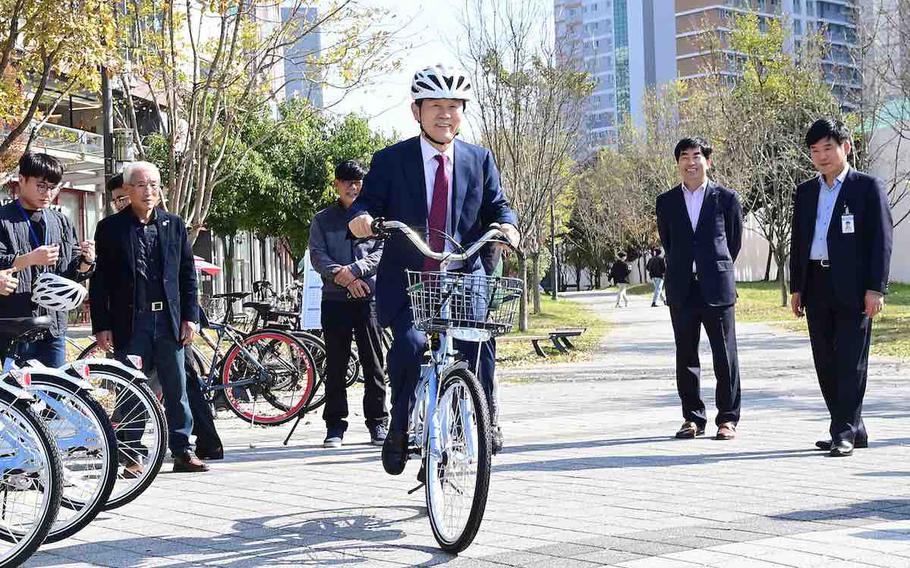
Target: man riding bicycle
[[449, 187]]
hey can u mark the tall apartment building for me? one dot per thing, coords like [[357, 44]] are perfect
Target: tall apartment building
[[631, 45], [298, 75], [837, 20], [626, 46]]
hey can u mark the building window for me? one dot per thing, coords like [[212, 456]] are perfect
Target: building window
[[797, 27]]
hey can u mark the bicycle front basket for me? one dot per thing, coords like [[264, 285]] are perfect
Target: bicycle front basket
[[443, 301]]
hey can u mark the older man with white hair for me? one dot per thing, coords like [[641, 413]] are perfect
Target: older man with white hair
[[143, 298]]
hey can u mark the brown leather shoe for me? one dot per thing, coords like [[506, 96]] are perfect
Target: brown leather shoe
[[726, 431], [689, 430], [187, 462]]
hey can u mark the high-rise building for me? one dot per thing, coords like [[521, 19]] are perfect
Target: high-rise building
[[837, 20], [629, 46], [301, 79], [626, 45]]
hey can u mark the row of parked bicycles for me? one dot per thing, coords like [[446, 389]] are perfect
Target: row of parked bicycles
[[91, 436]]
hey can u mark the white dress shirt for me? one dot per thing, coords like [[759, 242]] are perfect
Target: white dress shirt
[[694, 201], [430, 165]]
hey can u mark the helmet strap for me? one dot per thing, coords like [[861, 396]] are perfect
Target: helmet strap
[[427, 134]]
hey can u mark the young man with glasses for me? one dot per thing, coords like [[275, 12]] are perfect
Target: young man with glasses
[[36, 239]]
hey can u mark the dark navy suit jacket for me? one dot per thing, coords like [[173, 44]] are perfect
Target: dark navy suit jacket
[[395, 188], [713, 246], [860, 260], [113, 286]]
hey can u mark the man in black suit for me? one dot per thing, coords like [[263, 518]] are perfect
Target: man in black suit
[[143, 297], [840, 254], [700, 226]]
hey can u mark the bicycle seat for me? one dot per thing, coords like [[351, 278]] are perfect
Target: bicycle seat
[[11, 328], [232, 296]]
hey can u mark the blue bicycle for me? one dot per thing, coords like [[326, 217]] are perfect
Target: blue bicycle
[[450, 423]]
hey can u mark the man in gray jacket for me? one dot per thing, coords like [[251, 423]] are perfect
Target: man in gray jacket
[[348, 270]]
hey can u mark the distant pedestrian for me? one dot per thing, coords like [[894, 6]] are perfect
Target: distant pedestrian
[[619, 274], [657, 267], [840, 254]]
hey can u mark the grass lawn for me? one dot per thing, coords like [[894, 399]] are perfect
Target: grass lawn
[[760, 302], [559, 314]]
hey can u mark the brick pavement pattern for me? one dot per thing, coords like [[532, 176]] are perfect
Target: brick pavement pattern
[[591, 476]]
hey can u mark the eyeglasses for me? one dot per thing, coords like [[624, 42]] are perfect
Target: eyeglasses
[[47, 187], [147, 185], [121, 199]]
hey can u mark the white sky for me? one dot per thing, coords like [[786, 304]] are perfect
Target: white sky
[[431, 28]]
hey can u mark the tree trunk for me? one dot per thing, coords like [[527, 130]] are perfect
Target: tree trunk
[[578, 277], [597, 278], [768, 263], [781, 278], [228, 243], [523, 303], [535, 281]]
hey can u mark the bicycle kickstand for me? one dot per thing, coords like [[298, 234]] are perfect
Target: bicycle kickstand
[[293, 429]]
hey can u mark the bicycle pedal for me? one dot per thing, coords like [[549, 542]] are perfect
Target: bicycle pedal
[[416, 489], [414, 451]]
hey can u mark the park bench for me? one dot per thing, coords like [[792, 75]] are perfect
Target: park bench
[[559, 338]]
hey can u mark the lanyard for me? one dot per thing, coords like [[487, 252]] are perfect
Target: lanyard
[[32, 235]]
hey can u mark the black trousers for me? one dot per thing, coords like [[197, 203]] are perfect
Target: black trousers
[[207, 438], [342, 321], [720, 325], [840, 338]]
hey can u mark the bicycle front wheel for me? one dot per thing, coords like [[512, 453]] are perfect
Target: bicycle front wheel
[[87, 447], [268, 379], [31, 481], [457, 458]]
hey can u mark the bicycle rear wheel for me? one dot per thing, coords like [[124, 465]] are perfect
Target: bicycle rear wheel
[[87, 447], [316, 347], [457, 454], [139, 427], [269, 379], [31, 481]]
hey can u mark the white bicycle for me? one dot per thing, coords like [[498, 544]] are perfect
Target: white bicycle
[[450, 423]]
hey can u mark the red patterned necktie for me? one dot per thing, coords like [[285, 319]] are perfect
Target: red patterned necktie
[[436, 221]]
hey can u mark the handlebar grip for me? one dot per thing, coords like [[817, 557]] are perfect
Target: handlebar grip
[[378, 226]]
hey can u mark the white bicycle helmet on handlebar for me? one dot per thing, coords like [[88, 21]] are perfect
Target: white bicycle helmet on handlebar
[[440, 82], [57, 293]]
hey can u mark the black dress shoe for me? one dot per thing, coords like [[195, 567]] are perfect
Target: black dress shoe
[[187, 462], [859, 443], [207, 454], [395, 452], [841, 448]]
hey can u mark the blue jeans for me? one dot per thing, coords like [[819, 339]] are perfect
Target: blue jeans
[[51, 351], [658, 290], [153, 340]]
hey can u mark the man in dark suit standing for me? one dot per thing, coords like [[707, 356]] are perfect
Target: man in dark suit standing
[[449, 187], [700, 225], [143, 297], [840, 254]]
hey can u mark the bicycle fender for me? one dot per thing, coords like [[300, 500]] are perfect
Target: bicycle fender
[[17, 392], [116, 367], [72, 378]]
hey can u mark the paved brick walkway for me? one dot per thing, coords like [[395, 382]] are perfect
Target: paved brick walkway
[[590, 477]]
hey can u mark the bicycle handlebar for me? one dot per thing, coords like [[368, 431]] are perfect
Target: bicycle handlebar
[[382, 226]]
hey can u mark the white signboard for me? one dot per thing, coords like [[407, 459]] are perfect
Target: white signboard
[[311, 304]]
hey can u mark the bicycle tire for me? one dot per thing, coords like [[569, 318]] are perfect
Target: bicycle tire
[[316, 347], [127, 489], [45, 445], [90, 352], [232, 368], [104, 430], [456, 386]]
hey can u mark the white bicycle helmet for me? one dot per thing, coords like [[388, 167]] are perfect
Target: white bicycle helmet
[[57, 293], [439, 82]]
